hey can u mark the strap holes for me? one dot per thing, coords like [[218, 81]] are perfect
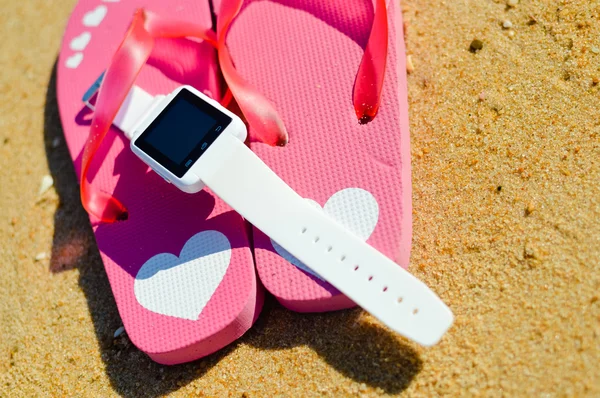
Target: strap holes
[[304, 230], [415, 311], [342, 258], [316, 239], [330, 248], [356, 268], [400, 300], [385, 288], [370, 278]]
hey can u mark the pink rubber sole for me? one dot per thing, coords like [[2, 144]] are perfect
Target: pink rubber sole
[[304, 55], [180, 267]]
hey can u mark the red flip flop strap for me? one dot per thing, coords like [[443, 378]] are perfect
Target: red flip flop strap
[[261, 115], [369, 79], [118, 80]]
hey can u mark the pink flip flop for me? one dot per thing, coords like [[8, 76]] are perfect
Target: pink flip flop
[[180, 266], [309, 55]]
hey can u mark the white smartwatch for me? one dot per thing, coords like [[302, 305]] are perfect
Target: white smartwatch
[[192, 141]]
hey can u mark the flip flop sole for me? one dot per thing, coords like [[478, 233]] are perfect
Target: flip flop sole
[[304, 56], [180, 266]]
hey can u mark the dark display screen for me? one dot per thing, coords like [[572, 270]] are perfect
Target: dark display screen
[[182, 132]]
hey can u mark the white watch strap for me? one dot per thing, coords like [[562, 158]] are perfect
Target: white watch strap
[[137, 103], [135, 106], [380, 286]]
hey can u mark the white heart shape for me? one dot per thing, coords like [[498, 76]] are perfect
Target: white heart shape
[[74, 60], [182, 286], [94, 17], [80, 42], [354, 208]]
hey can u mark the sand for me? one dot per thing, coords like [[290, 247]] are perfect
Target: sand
[[506, 172]]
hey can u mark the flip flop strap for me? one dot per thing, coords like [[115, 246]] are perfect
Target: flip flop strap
[[368, 85], [262, 117]]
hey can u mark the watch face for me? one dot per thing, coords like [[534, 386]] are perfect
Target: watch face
[[182, 132]]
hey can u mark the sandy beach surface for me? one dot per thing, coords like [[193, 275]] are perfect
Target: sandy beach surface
[[506, 180]]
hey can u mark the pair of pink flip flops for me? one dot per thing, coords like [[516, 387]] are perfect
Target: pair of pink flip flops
[[181, 267]]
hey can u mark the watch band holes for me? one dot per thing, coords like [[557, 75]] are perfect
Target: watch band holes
[[370, 278], [356, 268], [400, 300], [304, 230], [385, 288], [330, 248], [342, 258], [415, 311], [316, 239]]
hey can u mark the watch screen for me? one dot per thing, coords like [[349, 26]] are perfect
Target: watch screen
[[182, 132]]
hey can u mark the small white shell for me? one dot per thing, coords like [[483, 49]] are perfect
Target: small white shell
[[46, 184]]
